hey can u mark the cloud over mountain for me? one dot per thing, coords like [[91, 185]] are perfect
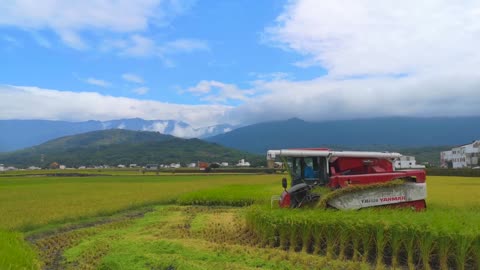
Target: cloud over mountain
[[36, 103]]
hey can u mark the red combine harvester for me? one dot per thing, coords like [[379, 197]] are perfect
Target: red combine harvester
[[357, 179]]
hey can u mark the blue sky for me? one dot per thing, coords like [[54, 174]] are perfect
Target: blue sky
[[232, 50], [210, 62]]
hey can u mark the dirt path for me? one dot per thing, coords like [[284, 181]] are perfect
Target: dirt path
[[51, 244]]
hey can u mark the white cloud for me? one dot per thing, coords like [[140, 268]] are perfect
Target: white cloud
[[132, 78], [329, 98], [142, 46], [384, 58], [139, 46], [72, 39], [41, 40], [69, 18], [215, 91], [21, 102], [11, 40], [98, 82], [381, 37], [184, 45], [141, 90]]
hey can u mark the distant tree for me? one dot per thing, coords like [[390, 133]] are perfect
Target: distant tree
[[214, 166]]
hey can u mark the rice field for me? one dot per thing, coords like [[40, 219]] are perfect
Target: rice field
[[225, 221], [435, 239], [29, 202]]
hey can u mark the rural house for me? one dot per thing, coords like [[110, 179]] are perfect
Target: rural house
[[463, 156]]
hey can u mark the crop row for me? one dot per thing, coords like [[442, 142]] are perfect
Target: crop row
[[429, 240]]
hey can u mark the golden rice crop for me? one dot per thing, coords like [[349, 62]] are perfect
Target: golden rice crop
[[429, 240], [29, 202]]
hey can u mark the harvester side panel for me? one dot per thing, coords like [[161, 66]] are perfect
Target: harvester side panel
[[407, 192]]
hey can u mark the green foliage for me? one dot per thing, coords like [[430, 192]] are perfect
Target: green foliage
[[453, 172], [113, 147], [15, 253]]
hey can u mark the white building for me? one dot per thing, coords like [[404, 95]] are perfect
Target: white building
[[224, 164], [406, 162], [175, 165], [2, 167], [463, 156], [192, 165], [243, 163]]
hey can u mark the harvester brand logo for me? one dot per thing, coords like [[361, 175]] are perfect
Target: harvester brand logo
[[393, 199], [386, 199]]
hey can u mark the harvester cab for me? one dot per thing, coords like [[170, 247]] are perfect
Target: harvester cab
[[353, 179]]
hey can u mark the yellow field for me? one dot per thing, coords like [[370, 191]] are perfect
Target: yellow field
[[453, 191], [38, 203], [28, 202]]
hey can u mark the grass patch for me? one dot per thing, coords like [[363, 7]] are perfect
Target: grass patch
[[15, 253]]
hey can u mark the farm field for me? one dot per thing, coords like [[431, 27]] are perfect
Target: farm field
[[195, 222]]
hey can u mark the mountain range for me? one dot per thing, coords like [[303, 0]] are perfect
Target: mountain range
[[379, 133], [119, 146], [18, 134], [422, 137]]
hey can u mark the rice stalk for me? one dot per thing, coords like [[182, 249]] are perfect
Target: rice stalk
[[380, 244], [443, 251], [426, 245], [396, 233], [463, 243]]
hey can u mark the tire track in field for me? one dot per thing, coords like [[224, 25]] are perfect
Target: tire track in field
[[52, 244]]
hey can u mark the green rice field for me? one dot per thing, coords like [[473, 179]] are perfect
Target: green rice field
[[132, 221]]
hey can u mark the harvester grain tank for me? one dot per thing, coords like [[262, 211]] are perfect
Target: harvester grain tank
[[354, 179]]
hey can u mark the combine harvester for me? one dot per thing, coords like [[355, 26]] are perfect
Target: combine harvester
[[353, 180]]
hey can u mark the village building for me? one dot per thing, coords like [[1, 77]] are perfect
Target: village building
[[406, 162], [463, 156], [152, 167], [243, 163], [202, 165]]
